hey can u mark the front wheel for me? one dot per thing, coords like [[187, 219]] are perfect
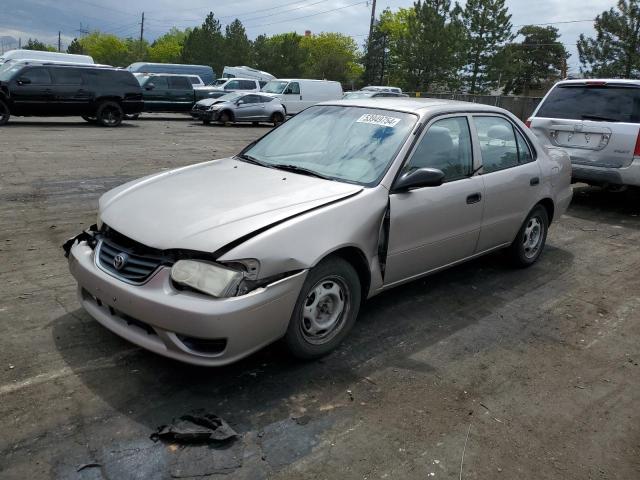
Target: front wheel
[[224, 118], [531, 238], [5, 113], [325, 311], [277, 118], [109, 114], [206, 121]]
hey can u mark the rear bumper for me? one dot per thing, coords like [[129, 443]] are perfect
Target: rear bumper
[[166, 321], [607, 175]]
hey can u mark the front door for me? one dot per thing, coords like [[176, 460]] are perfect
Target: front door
[[156, 94], [32, 92], [432, 227], [251, 108], [292, 98], [512, 179]]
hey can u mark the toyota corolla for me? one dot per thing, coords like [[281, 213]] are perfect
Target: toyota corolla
[[209, 263]]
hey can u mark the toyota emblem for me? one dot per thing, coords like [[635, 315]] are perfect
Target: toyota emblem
[[120, 260]]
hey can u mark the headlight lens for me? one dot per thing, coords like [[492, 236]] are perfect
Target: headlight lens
[[208, 278], [214, 107]]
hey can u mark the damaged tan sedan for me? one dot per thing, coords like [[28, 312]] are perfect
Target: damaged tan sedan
[[209, 263]]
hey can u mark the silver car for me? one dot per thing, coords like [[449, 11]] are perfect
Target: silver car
[[597, 122], [239, 107], [211, 262]]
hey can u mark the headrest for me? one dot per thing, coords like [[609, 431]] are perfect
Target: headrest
[[500, 132]]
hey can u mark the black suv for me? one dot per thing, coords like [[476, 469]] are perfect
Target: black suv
[[97, 94]]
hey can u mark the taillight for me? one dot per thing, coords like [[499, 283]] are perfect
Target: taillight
[[636, 151], [528, 123]]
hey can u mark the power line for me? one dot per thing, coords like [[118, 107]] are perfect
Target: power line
[[554, 23], [308, 16]]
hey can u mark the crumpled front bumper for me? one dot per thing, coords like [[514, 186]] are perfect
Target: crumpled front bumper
[[160, 318]]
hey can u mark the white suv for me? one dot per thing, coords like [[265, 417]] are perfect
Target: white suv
[[597, 122]]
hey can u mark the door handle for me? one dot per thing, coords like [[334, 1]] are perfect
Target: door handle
[[474, 198], [300, 97], [534, 181]]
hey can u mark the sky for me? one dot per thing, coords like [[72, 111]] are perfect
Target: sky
[[43, 19]]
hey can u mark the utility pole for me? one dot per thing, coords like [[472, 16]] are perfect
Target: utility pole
[[59, 42], [19, 43], [141, 37], [384, 57], [373, 20]]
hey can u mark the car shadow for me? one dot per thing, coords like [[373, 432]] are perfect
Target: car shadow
[[603, 206], [57, 124], [392, 327]]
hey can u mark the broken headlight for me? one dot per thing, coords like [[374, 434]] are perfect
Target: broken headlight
[[209, 278]]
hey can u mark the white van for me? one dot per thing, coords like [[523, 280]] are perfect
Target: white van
[[296, 94], [246, 72], [17, 55]]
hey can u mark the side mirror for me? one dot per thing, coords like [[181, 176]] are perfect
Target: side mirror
[[149, 86], [24, 81], [240, 102], [421, 177]]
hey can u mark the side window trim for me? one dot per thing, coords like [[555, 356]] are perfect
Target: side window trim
[[433, 120]]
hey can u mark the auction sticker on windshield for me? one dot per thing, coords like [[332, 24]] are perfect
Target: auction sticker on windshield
[[378, 120]]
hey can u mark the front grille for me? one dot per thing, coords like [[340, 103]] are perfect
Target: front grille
[[201, 107], [131, 265]]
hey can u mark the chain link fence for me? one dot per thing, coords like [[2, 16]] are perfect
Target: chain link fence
[[521, 107]]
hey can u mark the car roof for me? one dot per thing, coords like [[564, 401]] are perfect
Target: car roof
[[587, 81], [419, 106]]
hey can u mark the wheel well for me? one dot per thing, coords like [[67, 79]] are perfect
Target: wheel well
[[358, 261], [547, 203], [229, 112]]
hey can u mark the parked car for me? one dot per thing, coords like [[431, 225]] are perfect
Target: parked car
[[597, 123], [210, 262], [246, 72], [17, 55], [238, 84], [382, 88], [239, 107], [167, 92], [371, 94], [102, 95], [205, 72], [298, 94]]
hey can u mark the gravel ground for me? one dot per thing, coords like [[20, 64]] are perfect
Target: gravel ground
[[529, 374]]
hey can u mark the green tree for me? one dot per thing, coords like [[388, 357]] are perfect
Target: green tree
[[533, 63], [75, 47], [375, 56], [36, 44], [331, 56], [488, 26], [108, 49], [237, 47], [204, 45], [430, 50], [281, 55], [615, 52]]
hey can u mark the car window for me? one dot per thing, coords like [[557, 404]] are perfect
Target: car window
[[293, 88], [497, 143], [38, 76], [233, 84], [67, 76], [261, 83], [524, 151], [447, 147], [247, 84], [601, 103], [159, 82], [194, 80], [265, 99], [179, 83]]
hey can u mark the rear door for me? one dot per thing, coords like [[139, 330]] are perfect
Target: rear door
[[181, 93], [70, 95], [596, 122]]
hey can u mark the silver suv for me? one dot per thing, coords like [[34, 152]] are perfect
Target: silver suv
[[597, 122]]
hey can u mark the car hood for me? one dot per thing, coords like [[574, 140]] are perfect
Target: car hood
[[206, 206], [207, 102]]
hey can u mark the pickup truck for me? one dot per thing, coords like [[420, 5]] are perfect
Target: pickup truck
[[164, 92]]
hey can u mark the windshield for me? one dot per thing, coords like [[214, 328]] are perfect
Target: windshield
[[8, 70], [230, 97], [220, 81], [352, 95], [351, 144], [607, 104], [275, 87]]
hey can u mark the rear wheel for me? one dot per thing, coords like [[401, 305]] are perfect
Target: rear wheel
[[277, 118], [109, 114], [4, 113], [529, 243], [325, 311]]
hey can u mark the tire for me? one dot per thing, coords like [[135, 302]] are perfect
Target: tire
[[277, 118], [133, 116], [206, 121], [109, 114], [325, 311], [5, 113], [225, 117], [255, 124], [531, 238], [89, 119]]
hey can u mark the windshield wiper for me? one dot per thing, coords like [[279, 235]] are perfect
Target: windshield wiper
[[250, 159], [598, 117], [300, 170]]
